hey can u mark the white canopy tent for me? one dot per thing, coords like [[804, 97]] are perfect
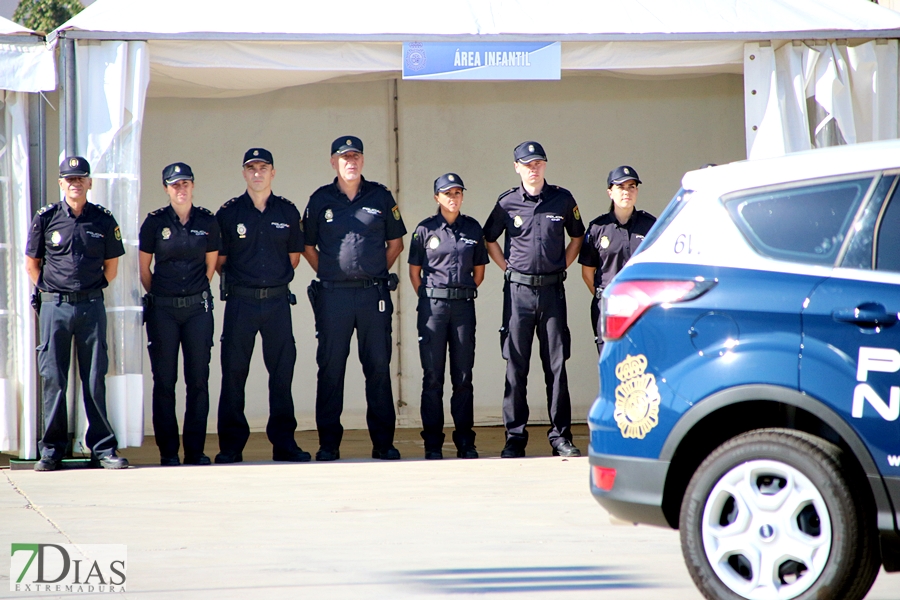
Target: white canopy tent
[[815, 72], [26, 66]]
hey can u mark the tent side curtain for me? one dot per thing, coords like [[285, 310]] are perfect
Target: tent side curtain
[[800, 96], [27, 67], [112, 86], [221, 69]]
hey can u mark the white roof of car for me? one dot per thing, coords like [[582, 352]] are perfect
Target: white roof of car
[[837, 160]]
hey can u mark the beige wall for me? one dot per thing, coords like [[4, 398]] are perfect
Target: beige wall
[[587, 124]]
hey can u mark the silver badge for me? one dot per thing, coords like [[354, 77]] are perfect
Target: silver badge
[[433, 243], [604, 242], [177, 169], [530, 148], [627, 172], [167, 233], [517, 221], [242, 230], [256, 153], [73, 162], [55, 238], [451, 178], [349, 142], [329, 216]]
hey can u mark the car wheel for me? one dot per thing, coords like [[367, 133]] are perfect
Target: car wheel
[[771, 514]]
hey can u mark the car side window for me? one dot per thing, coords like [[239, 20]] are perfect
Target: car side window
[[887, 254], [801, 224], [860, 253]]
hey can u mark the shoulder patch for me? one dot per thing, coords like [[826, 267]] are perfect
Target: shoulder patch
[[205, 211], [508, 192]]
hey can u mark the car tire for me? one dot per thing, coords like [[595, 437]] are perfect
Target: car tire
[[772, 514]]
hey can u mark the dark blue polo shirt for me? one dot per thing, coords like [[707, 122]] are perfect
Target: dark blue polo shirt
[[448, 253], [608, 244], [258, 244], [179, 251], [535, 228], [73, 248], [351, 234]]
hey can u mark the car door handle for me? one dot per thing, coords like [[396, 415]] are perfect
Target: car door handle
[[867, 315]]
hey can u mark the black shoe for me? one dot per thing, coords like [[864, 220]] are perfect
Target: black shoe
[[201, 459], [111, 461], [46, 464], [432, 455], [566, 449], [224, 458], [389, 453], [512, 450], [326, 455], [292, 455], [169, 461], [467, 452]]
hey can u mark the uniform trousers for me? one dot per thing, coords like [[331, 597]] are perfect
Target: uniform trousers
[[595, 323], [243, 319], [527, 310], [60, 324], [338, 312], [191, 329], [446, 325]]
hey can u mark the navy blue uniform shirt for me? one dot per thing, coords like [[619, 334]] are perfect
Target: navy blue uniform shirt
[[351, 234], [73, 248], [179, 251], [609, 244], [448, 253], [535, 228], [257, 243]]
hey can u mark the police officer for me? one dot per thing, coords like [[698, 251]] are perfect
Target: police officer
[[612, 238], [73, 253], [182, 240], [535, 216], [353, 236], [446, 265], [262, 241]]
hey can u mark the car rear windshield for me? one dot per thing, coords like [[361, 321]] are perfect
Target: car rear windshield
[[802, 224], [678, 202]]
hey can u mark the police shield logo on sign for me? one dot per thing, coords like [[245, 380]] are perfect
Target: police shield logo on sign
[[637, 398]]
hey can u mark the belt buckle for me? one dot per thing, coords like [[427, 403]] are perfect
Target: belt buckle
[[262, 293], [180, 303], [537, 280], [367, 283]]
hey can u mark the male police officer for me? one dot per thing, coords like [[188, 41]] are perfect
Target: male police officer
[[353, 236], [73, 253], [535, 217], [261, 245]]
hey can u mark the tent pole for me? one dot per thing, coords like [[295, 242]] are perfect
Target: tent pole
[[395, 147], [37, 167], [68, 132]]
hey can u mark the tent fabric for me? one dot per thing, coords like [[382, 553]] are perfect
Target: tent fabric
[[26, 63], [803, 96], [8, 27]]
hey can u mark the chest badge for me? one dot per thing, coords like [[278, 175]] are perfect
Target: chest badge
[[604, 242], [329, 216], [433, 243], [166, 233], [242, 230], [55, 238], [518, 221], [637, 398]]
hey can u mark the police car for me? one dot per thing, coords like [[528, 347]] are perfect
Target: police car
[[750, 379]]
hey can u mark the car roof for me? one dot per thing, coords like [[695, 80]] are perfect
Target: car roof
[[798, 166]]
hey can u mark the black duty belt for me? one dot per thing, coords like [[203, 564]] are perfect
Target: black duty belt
[[536, 280], [179, 301], [448, 293], [71, 297], [258, 293], [350, 283]]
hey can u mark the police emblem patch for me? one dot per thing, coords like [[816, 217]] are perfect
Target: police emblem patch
[[627, 172], [396, 212], [329, 216], [637, 398], [531, 147], [576, 213], [166, 233], [517, 221], [177, 169], [242, 230], [55, 238], [73, 162], [433, 243], [118, 234], [256, 153], [604, 242]]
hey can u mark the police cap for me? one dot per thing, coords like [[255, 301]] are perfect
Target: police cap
[[74, 166], [348, 143], [527, 152], [448, 181], [621, 175], [258, 155], [177, 172]]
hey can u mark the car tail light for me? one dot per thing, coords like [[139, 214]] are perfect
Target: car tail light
[[604, 478], [626, 301]]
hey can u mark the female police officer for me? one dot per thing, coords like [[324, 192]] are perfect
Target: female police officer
[[612, 238], [446, 264], [184, 242]]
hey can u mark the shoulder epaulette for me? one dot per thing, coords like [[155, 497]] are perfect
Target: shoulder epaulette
[[157, 212], [104, 209], [205, 211], [48, 207], [507, 192], [285, 200], [229, 203]]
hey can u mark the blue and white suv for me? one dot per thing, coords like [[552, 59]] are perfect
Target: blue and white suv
[[750, 380]]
